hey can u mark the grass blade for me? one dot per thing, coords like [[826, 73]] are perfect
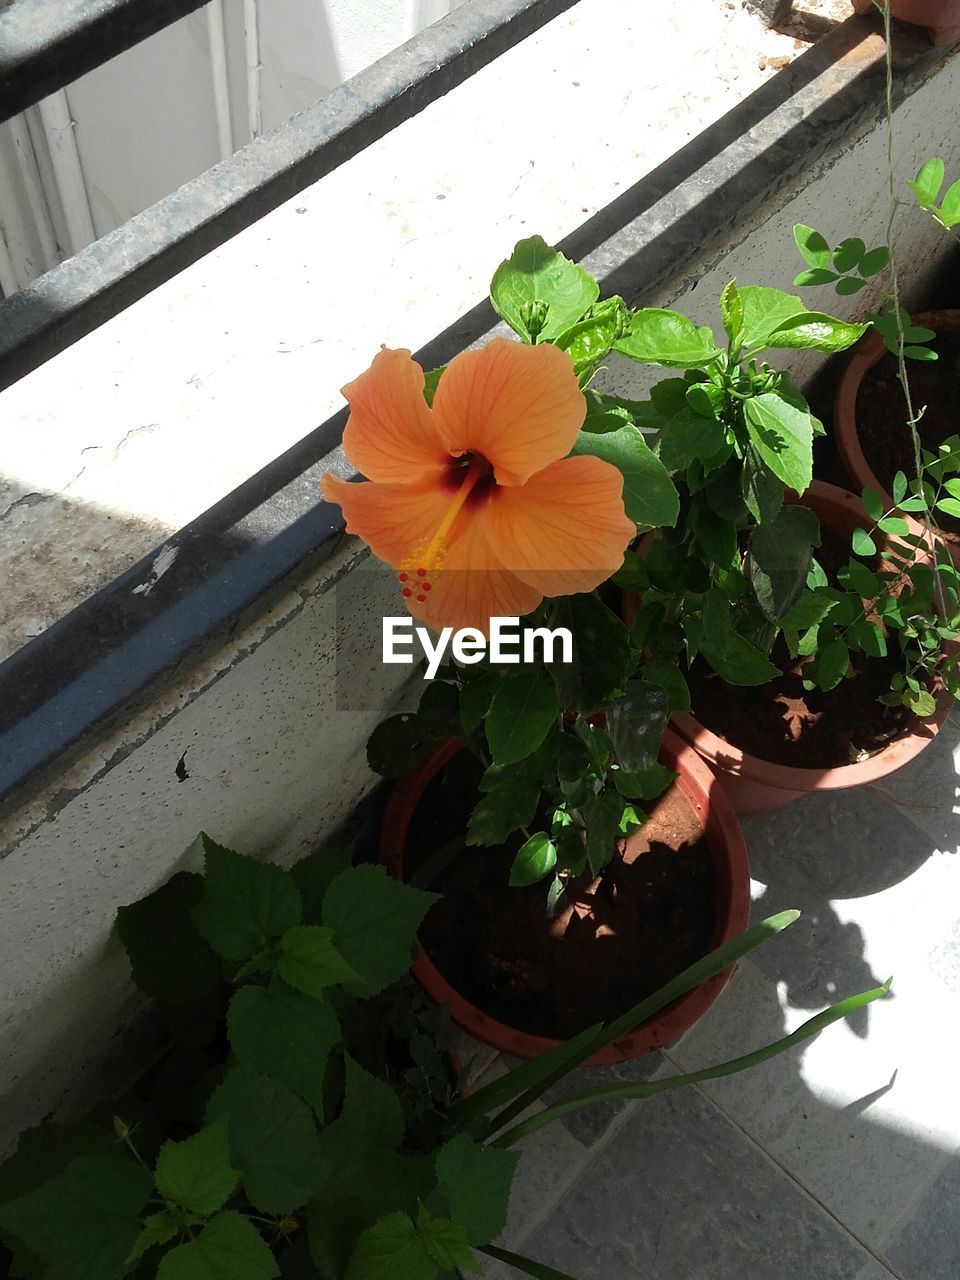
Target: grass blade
[[590, 1043], [647, 1089], [539, 1270]]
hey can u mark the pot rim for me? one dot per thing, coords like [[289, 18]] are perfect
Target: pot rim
[[704, 792], [869, 352]]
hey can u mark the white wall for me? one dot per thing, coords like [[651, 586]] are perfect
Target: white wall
[[146, 122]]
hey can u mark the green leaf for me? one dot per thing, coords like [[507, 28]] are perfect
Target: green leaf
[[511, 804], [431, 379], [762, 490], [899, 487], [667, 338], [849, 285], [636, 723], [285, 1035], [765, 310], [689, 437], [833, 662], [392, 1249], [893, 524], [589, 340], [848, 253], [920, 702], [926, 185], [650, 497], [950, 204], [45, 1151], [371, 1110], [445, 1241], [920, 353], [82, 1223], [170, 960], [874, 262], [475, 1181], [244, 903], [783, 437], [670, 679], [949, 506], [813, 330], [809, 611], [813, 248], [197, 1174], [399, 745], [228, 1248], [310, 962], [374, 919], [873, 502], [602, 655], [731, 311], [158, 1228], [535, 859], [862, 543], [521, 715], [647, 785], [313, 876], [817, 275], [273, 1139], [730, 655], [535, 272], [780, 555]]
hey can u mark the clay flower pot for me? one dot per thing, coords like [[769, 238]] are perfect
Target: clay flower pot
[[732, 879], [940, 17], [755, 785], [869, 352]]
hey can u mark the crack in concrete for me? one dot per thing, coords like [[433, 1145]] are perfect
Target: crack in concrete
[[28, 500]]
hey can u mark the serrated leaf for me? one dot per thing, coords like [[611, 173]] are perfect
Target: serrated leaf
[[446, 1241], [730, 655], [273, 1139], [658, 336], [502, 810], [762, 491], [689, 437], [926, 185], [197, 1174], [783, 437], [523, 710], [650, 497], [310, 962], [536, 272], [285, 1035], [314, 874], [765, 310], [82, 1223], [228, 1248], [780, 555], [589, 340], [809, 611], [170, 960], [475, 1182], [158, 1228], [374, 919], [670, 679], [731, 311], [245, 902], [848, 253], [813, 247], [392, 1249], [601, 815], [535, 859], [45, 1151], [371, 1110]]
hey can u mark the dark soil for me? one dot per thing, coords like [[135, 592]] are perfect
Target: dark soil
[[782, 723], [881, 414], [622, 936]]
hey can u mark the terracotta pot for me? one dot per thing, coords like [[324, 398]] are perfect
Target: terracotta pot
[[869, 352], [725, 840], [940, 17], [755, 785]]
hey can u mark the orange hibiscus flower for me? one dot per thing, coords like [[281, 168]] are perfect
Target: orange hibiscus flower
[[474, 501]]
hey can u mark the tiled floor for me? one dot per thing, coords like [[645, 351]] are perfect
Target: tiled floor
[[837, 1161]]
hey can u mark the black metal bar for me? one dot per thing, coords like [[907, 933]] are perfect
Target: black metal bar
[[45, 44], [96, 283]]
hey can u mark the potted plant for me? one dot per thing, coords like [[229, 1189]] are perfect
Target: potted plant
[[300, 1120]]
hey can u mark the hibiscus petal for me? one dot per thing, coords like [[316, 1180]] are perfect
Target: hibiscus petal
[[472, 586], [565, 530], [518, 406], [393, 519], [390, 435]]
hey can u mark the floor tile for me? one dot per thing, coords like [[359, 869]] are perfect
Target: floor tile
[[679, 1193], [928, 1246]]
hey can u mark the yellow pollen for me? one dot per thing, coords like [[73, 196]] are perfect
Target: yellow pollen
[[417, 571]]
